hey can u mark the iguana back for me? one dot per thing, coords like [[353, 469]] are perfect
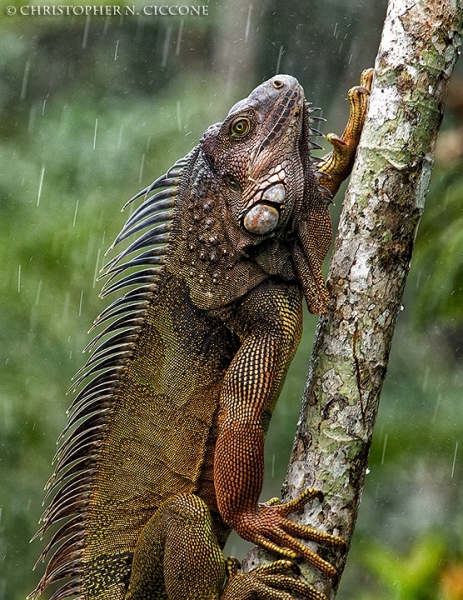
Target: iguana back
[[145, 413], [241, 212]]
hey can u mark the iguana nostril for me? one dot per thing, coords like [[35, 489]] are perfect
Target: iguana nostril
[[277, 84]]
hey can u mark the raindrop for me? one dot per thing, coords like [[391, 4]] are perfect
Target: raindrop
[[280, 54], [75, 214], [229, 80], [43, 106], [165, 52], [119, 139], [140, 29], [179, 38], [87, 27], [94, 133], [42, 173], [27, 69], [273, 466], [424, 385], [91, 243], [116, 56], [67, 300], [454, 460], [39, 290], [248, 24], [19, 279], [436, 407], [31, 125], [80, 303], [142, 165], [148, 143], [32, 324], [384, 449], [179, 117], [97, 267]]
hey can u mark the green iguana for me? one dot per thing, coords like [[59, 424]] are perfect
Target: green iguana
[[163, 450]]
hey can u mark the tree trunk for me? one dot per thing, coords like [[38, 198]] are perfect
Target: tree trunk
[[370, 264]]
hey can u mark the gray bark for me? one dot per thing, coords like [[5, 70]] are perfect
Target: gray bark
[[369, 266]]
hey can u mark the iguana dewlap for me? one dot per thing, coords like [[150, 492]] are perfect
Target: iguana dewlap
[[164, 449]]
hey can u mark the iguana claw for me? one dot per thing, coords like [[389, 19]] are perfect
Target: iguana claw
[[337, 165], [269, 582], [270, 528]]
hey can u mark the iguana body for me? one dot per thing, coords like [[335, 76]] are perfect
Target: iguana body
[[167, 454]]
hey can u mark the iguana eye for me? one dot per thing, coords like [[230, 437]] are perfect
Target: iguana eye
[[240, 127], [232, 182]]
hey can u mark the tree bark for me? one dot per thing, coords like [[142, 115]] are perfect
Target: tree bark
[[369, 266]]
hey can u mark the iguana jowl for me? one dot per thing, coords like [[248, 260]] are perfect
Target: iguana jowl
[[163, 450]]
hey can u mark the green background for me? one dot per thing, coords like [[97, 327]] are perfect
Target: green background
[[92, 109]]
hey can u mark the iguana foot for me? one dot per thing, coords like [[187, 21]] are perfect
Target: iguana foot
[[337, 165], [273, 581], [270, 528]]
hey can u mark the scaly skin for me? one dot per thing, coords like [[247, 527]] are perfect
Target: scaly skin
[[165, 450], [340, 160]]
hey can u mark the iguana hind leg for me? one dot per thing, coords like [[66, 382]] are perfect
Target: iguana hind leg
[[272, 581], [178, 558]]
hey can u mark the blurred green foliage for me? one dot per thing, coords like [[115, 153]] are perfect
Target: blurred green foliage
[[94, 109], [439, 251]]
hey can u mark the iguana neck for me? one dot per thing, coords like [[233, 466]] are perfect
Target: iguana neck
[[218, 261]]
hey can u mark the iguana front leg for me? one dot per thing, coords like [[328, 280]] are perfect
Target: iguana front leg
[[268, 323], [337, 164]]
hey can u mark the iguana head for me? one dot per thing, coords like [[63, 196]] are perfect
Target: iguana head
[[260, 159], [255, 153]]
